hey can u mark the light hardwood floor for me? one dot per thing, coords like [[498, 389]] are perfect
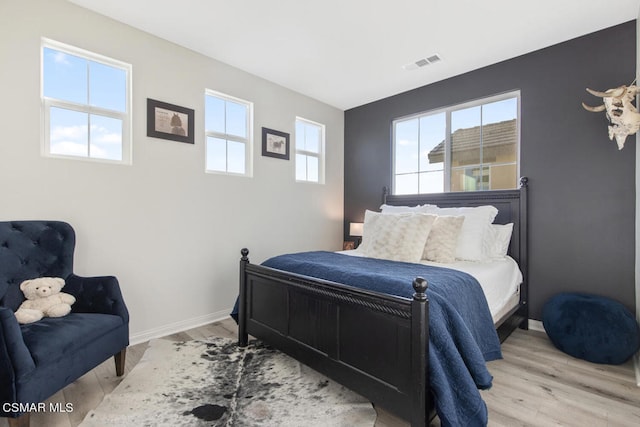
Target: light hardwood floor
[[534, 385]]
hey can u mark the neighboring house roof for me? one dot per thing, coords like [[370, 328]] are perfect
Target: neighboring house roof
[[493, 135]]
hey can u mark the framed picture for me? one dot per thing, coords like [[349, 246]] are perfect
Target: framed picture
[[275, 144], [168, 121]]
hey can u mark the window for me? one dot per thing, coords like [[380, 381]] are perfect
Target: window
[[469, 147], [86, 104], [309, 151], [228, 130]]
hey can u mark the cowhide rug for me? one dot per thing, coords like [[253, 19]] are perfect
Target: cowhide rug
[[216, 383]]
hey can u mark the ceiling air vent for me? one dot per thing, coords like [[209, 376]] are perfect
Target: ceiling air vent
[[422, 62]]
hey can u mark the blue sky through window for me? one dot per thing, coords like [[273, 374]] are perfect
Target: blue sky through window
[[228, 121], [64, 76], [308, 139], [108, 87], [75, 84]]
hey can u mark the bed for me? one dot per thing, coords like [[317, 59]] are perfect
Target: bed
[[374, 343]]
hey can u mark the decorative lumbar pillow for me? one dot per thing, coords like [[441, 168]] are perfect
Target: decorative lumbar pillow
[[44, 299], [472, 237], [397, 237], [443, 238], [591, 327]]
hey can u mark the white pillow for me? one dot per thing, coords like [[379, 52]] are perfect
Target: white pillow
[[475, 229], [443, 238], [390, 209], [399, 237], [499, 239]]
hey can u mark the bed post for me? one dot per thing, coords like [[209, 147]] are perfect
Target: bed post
[[243, 337], [419, 353], [524, 256]]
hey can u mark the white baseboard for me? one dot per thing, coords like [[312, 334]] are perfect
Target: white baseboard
[[183, 325], [536, 325]]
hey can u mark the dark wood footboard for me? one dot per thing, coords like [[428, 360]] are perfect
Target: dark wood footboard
[[374, 344]]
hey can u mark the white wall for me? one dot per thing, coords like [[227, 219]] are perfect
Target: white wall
[[170, 233]]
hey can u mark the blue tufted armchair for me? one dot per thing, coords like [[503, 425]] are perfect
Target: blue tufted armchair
[[38, 359]]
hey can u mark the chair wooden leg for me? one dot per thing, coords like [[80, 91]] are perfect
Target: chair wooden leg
[[21, 421], [120, 361]]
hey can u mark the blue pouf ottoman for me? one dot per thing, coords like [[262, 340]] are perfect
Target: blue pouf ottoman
[[591, 327]]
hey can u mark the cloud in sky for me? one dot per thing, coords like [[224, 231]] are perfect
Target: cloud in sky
[[73, 141], [78, 134], [402, 141], [68, 132], [60, 57], [69, 148], [102, 135]]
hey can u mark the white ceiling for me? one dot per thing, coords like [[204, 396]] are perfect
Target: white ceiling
[[350, 52]]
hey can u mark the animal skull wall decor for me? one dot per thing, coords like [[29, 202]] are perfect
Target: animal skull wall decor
[[622, 114]]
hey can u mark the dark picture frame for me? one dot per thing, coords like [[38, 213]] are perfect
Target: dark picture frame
[[275, 143], [167, 121]]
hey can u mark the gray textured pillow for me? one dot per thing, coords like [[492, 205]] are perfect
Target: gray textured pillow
[[397, 237], [443, 239]]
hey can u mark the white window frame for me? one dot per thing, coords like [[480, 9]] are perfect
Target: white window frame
[[248, 141], [48, 103], [447, 152], [320, 155]]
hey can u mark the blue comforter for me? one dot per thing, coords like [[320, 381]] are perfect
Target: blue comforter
[[461, 332]]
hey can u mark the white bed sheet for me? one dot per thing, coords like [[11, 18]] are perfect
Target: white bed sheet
[[500, 280]]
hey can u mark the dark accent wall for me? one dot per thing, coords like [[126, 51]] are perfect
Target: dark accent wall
[[582, 189]]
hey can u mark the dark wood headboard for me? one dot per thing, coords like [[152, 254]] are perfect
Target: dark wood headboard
[[511, 205]]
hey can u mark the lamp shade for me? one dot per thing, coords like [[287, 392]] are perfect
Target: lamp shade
[[355, 228]]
